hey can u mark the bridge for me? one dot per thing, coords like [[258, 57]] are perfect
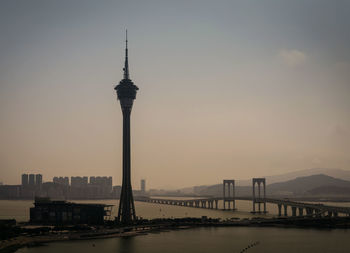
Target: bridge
[[297, 208]]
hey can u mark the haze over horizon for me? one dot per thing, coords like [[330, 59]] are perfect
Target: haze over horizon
[[231, 89]]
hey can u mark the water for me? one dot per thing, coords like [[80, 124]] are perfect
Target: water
[[202, 240], [229, 239], [19, 210]]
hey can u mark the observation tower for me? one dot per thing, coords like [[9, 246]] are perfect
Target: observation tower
[[126, 91]]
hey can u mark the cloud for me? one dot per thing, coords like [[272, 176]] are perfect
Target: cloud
[[292, 57]]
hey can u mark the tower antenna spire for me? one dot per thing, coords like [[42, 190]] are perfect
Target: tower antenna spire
[[126, 64]]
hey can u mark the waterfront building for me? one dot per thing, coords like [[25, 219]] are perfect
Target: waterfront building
[[10, 191], [117, 189], [54, 190], [31, 180], [24, 179], [38, 179], [143, 186], [78, 181], [61, 180], [46, 211], [100, 187]]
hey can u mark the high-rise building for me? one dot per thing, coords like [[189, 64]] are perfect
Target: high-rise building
[[126, 91], [31, 180], [38, 179], [78, 181], [92, 180], [61, 180], [143, 186], [24, 179]]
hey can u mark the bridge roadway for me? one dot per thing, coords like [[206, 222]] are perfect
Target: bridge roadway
[[213, 203]]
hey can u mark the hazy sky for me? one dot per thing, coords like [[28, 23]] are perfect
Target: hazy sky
[[228, 89]]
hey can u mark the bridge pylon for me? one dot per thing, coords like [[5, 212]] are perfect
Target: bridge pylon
[[259, 198], [229, 194]]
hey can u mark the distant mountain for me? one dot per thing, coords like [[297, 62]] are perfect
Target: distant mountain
[[305, 185], [336, 173], [330, 191]]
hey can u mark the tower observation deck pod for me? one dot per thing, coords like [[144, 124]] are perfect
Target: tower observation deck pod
[[126, 89]]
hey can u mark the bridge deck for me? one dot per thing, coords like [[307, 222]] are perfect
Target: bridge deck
[[319, 207]]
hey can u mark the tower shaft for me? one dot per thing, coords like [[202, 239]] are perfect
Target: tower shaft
[[126, 212]]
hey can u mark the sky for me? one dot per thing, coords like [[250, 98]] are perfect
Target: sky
[[227, 89]]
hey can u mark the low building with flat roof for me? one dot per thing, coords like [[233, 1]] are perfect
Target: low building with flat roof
[[46, 211]]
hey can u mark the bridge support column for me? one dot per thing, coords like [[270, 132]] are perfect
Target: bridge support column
[[301, 210], [264, 184], [309, 211], [294, 211], [279, 210], [259, 210], [285, 210], [216, 204], [260, 198]]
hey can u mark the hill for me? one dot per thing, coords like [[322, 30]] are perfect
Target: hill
[[326, 191], [336, 173], [303, 185]]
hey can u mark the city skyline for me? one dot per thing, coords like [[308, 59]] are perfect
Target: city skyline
[[230, 90]]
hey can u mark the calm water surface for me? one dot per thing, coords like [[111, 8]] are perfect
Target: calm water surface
[[202, 240], [231, 239]]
